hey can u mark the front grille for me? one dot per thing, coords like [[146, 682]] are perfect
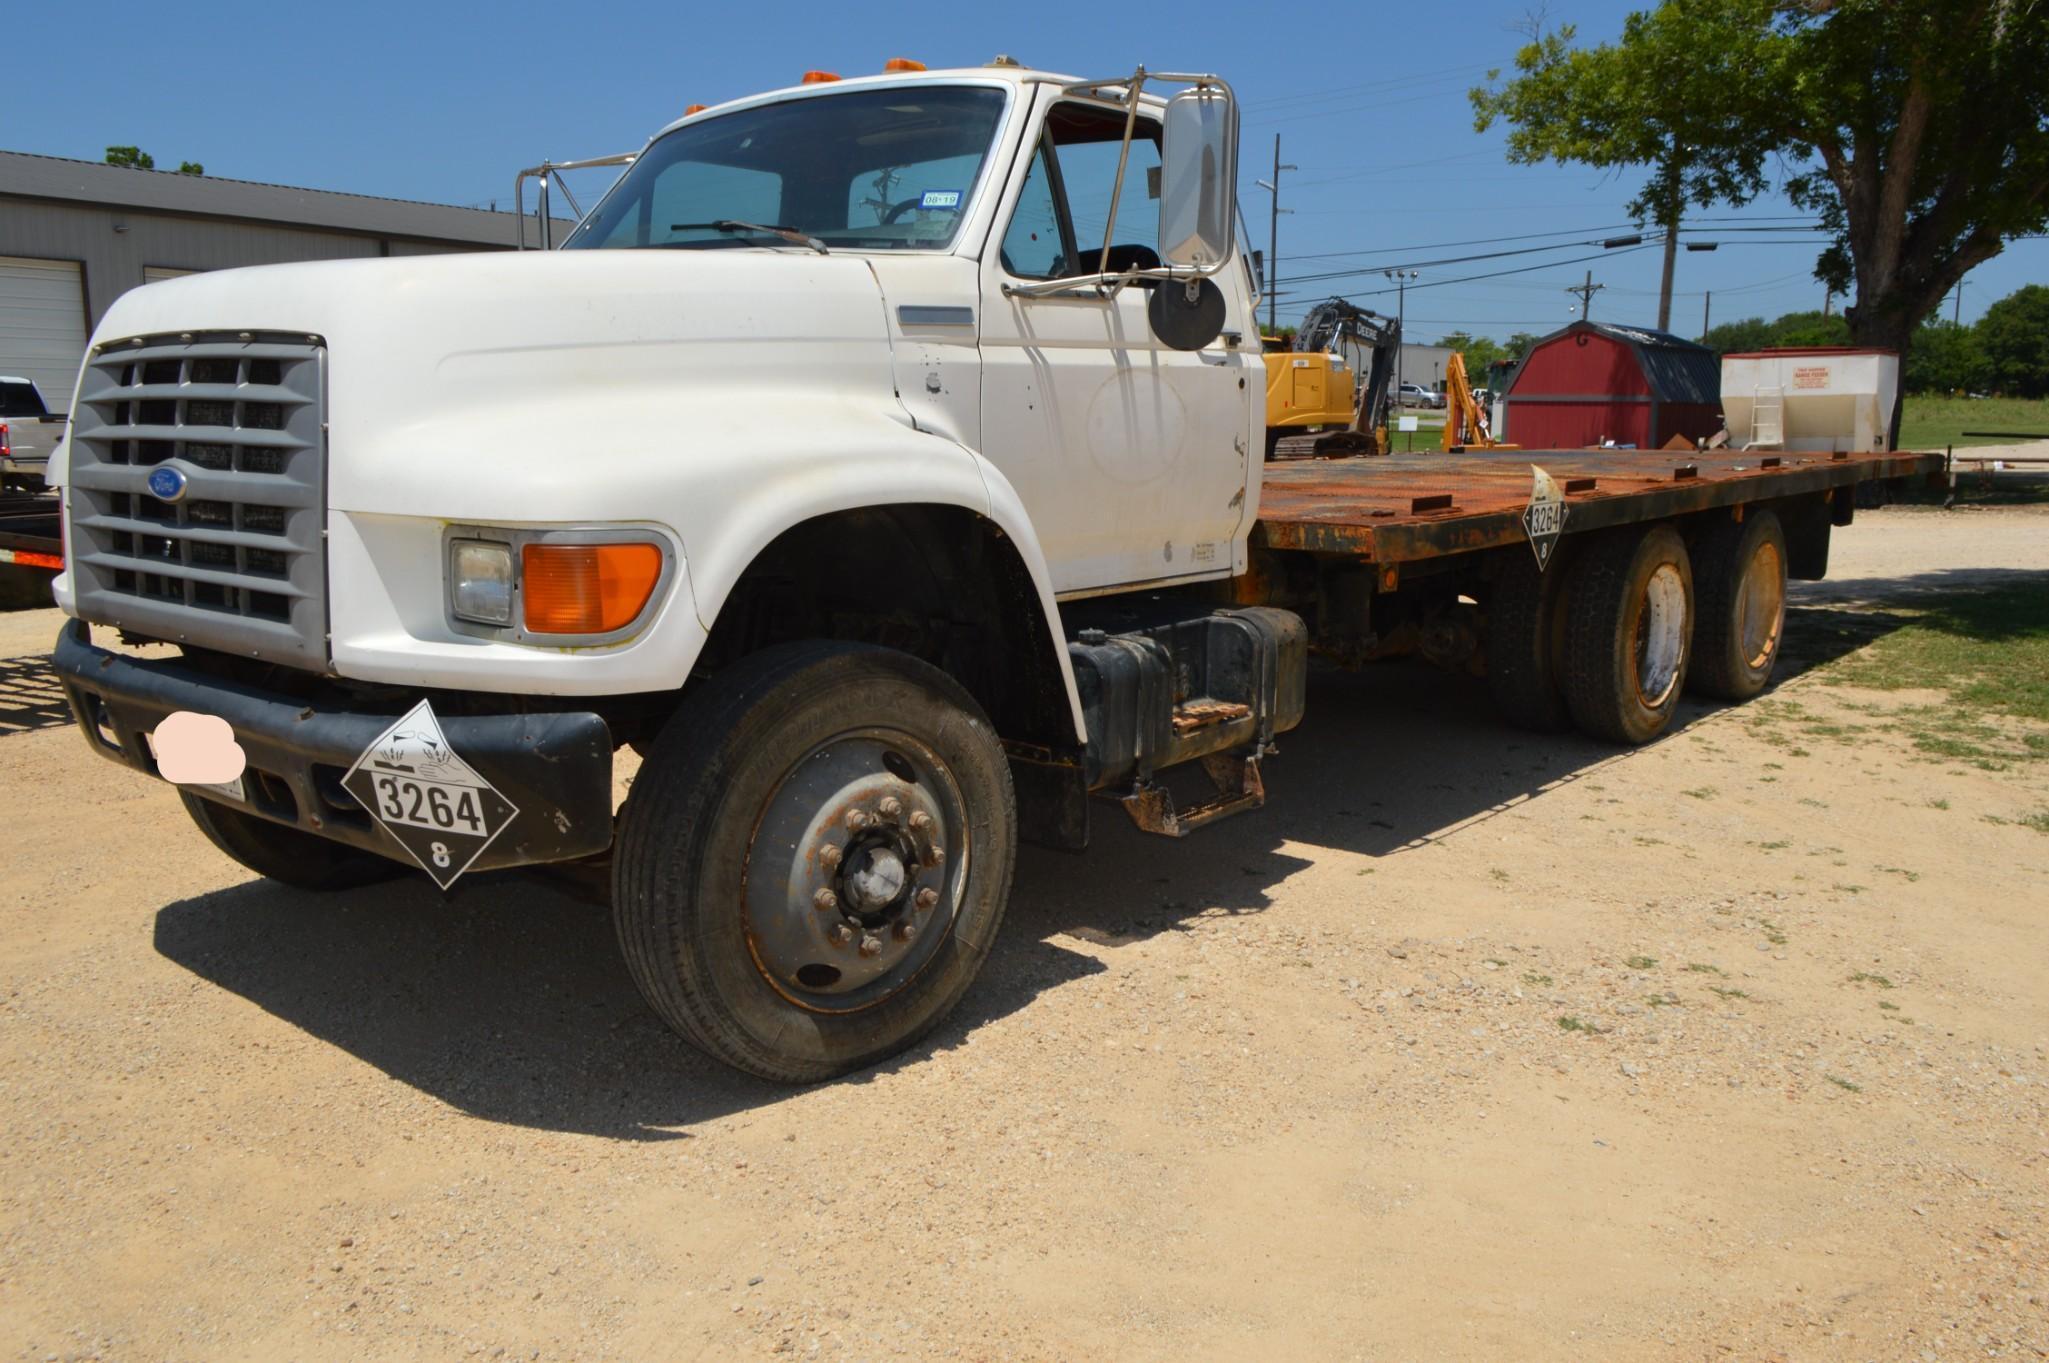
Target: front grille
[[236, 562]]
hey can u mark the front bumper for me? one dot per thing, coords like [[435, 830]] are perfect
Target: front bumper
[[554, 766]]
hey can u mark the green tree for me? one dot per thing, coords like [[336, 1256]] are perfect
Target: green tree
[[2014, 336], [1811, 328], [1946, 359], [191, 168], [1752, 333], [135, 157], [1520, 344], [1917, 129], [1480, 351]]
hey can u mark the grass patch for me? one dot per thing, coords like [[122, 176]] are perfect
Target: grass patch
[[2039, 821], [1843, 1083], [1536, 977], [1988, 649], [1938, 804], [1569, 1023], [1499, 874], [1641, 962], [1934, 423], [1777, 845], [1700, 793], [1727, 993], [1773, 933], [1664, 1000], [1888, 1007], [1866, 977], [1702, 968]]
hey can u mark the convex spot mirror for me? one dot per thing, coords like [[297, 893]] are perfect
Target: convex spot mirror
[[1198, 178]]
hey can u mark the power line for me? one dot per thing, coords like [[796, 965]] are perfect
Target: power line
[[1473, 241], [1621, 246], [1467, 279]]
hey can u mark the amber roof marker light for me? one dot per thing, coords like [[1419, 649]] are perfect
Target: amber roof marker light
[[903, 64], [819, 77]]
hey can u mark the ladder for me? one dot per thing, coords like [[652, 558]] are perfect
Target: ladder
[[1767, 420]]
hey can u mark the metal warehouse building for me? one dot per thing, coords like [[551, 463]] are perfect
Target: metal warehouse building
[[75, 235]]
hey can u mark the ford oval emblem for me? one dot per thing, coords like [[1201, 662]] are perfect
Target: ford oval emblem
[[166, 484]]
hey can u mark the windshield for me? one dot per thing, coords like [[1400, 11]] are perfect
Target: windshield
[[866, 170], [18, 398]]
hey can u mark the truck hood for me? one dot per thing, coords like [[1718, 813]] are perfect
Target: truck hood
[[544, 373]]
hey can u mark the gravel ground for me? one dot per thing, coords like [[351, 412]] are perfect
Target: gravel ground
[[1471, 1045]]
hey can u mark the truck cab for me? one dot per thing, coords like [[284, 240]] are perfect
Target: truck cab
[[872, 380]]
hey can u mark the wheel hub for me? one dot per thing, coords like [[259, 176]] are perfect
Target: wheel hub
[[850, 883]]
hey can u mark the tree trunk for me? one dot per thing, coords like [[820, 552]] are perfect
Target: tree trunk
[[1885, 329]]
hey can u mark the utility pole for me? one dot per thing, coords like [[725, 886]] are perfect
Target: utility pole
[[1401, 280], [1675, 201], [1707, 301], [1956, 316], [1586, 294], [1273, 235]]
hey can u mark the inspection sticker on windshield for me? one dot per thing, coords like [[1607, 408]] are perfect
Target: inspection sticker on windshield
[[940, 198], [1544, 518], [441, 811]]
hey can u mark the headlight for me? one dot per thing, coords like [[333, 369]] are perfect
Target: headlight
[[480, 581]]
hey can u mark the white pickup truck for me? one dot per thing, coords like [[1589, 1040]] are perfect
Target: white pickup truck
[[28, 430], [916, 498]]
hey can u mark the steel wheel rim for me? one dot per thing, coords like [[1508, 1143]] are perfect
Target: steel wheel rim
[[1660, 635], [856, 869], [1761, 606]]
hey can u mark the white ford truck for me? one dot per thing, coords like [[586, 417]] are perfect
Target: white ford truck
[[914, 503]]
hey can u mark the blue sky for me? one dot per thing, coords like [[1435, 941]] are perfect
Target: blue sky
[[444, 103]]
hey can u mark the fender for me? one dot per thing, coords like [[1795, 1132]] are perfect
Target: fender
[[909, 467]]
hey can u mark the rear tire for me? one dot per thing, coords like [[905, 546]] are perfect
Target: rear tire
[[1629, 626], [749, 937], [1739, 606], [1525, 643], [287, 855]]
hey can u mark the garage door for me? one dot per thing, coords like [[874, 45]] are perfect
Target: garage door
[[42, 325]]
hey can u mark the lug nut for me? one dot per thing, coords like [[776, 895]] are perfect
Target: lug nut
[[927, 897], [906, 931], [891, 808], [841, 934], [934, 854], [825, 901], [921, 821], [857, 819], [829, 856], [871, 945]]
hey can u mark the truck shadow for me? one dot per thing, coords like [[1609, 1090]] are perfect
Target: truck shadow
[[508, 1000]]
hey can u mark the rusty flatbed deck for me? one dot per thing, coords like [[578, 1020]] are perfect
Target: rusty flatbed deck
[[1406, 507]]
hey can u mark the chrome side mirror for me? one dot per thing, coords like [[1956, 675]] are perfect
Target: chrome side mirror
[[1198, 178]]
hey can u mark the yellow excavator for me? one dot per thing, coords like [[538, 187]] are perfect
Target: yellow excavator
[[1465, 420], [1314, 403]]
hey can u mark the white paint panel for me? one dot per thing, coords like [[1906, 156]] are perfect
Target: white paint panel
[[42, 325]]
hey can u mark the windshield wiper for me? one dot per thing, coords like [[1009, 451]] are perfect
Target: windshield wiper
[[789, 234]]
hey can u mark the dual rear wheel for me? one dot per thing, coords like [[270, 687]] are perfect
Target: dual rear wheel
[[1609, 639]]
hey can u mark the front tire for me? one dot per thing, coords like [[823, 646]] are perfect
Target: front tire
[[287, 855], [1629, 626], [815, 859]]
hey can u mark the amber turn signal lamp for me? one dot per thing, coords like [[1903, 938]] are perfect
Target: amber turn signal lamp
[[819, 77], [903, 64], [586, 588]]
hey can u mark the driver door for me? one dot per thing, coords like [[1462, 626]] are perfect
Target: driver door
[[1131, 457]]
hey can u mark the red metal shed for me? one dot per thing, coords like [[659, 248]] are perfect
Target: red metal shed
[[1595, 382]]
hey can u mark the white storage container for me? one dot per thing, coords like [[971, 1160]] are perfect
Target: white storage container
[[1817, 398]]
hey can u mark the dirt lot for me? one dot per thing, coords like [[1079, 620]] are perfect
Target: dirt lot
[[1473, 1045]]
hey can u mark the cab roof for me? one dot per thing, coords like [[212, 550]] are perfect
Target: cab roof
[[1002, 72]]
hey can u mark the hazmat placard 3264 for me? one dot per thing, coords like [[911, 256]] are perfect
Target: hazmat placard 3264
[[425, 796]]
